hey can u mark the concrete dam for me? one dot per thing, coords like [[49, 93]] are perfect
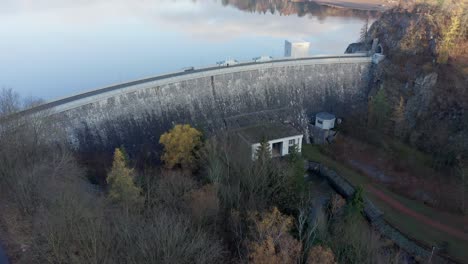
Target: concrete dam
[[135, 114]]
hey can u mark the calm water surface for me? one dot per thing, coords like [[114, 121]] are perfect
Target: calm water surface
[[54, 48]]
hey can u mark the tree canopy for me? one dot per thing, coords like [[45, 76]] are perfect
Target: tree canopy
[[271, 241], [379, 110], [180, 145], [122, 189]]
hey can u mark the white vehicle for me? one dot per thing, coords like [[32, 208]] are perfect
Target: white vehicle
[[227, 63], [262, 59]]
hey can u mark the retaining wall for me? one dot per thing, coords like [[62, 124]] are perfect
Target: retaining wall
[[375, 216]]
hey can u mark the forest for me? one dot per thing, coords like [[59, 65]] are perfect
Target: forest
[[206, 201]]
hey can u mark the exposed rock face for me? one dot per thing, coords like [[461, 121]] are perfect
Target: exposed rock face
[[418, 105], [406, 32], [435, 96]]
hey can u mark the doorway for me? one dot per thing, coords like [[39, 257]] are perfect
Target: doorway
[[277, 149]]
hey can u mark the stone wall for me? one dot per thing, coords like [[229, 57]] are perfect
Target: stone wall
[[137, 115], [375, 216]]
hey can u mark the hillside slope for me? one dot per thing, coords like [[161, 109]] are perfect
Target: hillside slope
[[425, 76]]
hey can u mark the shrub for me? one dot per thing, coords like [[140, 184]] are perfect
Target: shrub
[[321, 255], [270, 239]]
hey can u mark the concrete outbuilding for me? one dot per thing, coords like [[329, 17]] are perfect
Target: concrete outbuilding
[[325, 120], [281, 138]]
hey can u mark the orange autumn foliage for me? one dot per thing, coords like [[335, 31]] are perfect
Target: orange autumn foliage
[[180, 144], [321, 255], [204, 203], [271, 241]]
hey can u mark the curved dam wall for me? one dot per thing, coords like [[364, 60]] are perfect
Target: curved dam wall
[[137, 113]]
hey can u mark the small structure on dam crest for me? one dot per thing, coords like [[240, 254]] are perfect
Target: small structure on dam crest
[[280, 137]]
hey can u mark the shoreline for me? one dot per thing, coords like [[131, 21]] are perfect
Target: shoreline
[[367, 5]]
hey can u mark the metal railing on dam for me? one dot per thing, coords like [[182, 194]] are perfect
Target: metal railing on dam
[[83, 98]]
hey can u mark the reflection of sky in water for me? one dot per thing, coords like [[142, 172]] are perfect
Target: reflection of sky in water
[[52, 48]]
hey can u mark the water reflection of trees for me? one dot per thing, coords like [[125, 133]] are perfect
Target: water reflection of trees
[[288, 7]]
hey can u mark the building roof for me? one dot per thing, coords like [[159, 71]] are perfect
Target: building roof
[[293, 41], [270, 131], [325, 116]]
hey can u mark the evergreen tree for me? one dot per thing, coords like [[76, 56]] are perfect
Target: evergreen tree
[[263, 152], [379, 111], [294, 154], [122, 189], [357, 202], [364, 36], [125, 155], [296, 184]]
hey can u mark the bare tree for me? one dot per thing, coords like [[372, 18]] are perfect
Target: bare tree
[[67, 220], [307, 228], [9, 101], [364, 35]]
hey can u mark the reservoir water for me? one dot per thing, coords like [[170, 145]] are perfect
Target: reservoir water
[[55, 48]]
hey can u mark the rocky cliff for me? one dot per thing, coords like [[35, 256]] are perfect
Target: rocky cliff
[[425, 76]]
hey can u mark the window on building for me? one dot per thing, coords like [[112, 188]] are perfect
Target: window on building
[[292, 142], [320, 122]]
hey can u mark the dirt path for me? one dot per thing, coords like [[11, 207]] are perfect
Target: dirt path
[[421, 218]]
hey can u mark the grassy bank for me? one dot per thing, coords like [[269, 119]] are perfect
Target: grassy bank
[[427, 235]]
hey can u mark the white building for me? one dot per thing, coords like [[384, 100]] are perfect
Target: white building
[[281, 138], [325, 120], [321, 130], [296, 49]]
